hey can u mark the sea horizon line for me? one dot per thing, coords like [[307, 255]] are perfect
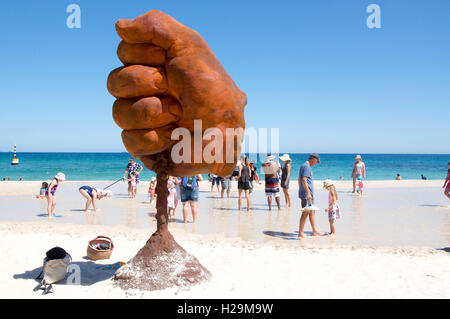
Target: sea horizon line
[[325, 153]]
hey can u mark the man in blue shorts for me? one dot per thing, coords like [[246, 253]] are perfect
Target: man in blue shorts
[[306, 193]]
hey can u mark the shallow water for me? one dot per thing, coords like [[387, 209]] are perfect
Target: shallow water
[[382, 217]]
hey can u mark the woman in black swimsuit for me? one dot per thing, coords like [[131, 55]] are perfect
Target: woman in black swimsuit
[[285, 177], [244, 182]]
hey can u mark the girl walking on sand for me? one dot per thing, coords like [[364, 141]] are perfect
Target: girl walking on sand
[[333, 209]]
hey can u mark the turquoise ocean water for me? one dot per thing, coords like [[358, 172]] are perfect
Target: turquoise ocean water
[[110, 166]]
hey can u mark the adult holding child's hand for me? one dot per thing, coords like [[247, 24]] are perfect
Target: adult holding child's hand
[[134, 169]]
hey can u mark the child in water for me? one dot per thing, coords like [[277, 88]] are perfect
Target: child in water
[[152, 189], [43, 190], [334, 212], [132, 179], [360, 185]]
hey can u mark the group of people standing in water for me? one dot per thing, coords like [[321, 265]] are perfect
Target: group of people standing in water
[[276, 176]]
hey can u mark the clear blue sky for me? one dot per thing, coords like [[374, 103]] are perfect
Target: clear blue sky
[[312, 68]]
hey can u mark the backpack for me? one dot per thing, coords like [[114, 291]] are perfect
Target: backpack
[[55, 268], [189, 183]]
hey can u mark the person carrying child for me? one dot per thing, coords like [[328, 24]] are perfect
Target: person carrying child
[[132, 168], [333, 209]]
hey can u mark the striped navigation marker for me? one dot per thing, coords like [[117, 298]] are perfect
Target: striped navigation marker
[[15, 159]]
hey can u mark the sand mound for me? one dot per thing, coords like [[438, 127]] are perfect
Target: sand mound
[[160, 264]]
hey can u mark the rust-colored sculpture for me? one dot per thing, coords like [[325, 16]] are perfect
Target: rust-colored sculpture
[[170, 78]]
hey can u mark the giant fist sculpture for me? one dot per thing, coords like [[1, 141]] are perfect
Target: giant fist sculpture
[[171, 78]]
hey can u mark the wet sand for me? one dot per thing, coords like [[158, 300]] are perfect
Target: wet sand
[[390, 213]]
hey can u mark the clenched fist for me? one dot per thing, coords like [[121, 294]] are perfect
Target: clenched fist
[[171, 78]]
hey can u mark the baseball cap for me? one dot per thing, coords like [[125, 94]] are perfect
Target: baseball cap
[[316, 156]]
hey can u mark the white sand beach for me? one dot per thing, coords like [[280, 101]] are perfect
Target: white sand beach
[[393, 242]]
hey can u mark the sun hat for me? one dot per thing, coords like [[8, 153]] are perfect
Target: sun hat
[[153, 179], [60, 176], [327, 182], [315, 156], [358, 157], [285, 158], [270, 157]]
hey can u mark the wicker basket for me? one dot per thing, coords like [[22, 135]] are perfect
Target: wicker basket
[[96, 254]]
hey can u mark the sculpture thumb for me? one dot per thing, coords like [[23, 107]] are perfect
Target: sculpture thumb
[[154, 27]]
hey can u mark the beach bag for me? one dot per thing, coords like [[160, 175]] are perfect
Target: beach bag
[[100, 247], [54, 269]]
